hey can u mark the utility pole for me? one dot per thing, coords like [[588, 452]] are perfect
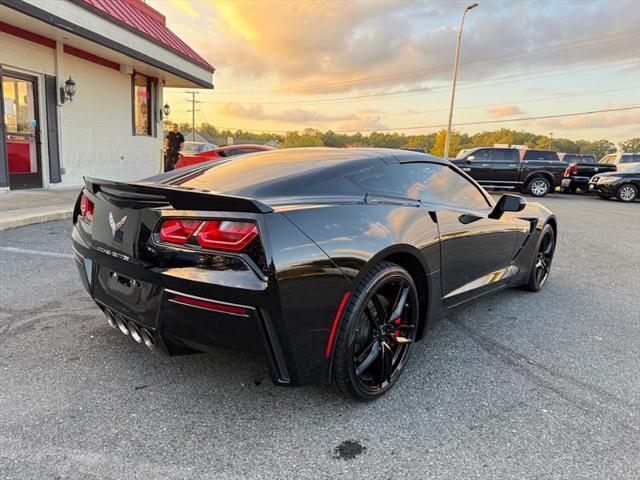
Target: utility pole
[[193, 113], [455, 75], [550, 138]]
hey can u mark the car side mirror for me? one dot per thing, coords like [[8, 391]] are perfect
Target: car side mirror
[[470, 158], [508, 203]]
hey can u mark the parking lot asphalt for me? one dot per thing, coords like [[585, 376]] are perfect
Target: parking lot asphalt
[[514, 385]]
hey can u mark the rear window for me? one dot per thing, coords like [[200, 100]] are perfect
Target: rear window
[[573, 158], [540, 155], [630, 158], [197, 147], [380, 180]]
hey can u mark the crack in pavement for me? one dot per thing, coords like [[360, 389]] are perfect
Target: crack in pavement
[[566, 387]]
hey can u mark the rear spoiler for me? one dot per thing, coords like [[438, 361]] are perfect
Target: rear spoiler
[[179, 198]]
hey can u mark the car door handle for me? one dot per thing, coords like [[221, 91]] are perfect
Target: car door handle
[[513, 164], [484, 165]]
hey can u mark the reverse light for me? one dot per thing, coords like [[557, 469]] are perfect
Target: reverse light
[[86, 209], [229, 235]]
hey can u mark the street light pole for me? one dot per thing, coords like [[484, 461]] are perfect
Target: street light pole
[[455, 75]]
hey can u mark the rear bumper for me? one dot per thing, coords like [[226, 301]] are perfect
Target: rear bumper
[[579, 182], [183, 311]]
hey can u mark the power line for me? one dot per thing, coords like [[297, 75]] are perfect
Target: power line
[[193, 113], [577, 43], [505, 120], [422, 91], [505, 102], [486, 122]]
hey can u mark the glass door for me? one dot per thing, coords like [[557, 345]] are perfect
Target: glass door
[[22, 130]]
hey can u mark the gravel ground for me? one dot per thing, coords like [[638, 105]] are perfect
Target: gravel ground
[[515, 385]]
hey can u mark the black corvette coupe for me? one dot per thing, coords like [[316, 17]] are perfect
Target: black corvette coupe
[[331, 262]]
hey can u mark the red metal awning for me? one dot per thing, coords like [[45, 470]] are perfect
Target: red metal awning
[[137, 15]]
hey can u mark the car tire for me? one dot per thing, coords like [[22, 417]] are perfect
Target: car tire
[[538, 186], [541, 264], [627, 193], [368, 357]]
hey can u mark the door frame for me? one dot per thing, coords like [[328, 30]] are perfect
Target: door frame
[[33, 180]]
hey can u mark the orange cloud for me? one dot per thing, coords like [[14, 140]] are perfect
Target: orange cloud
[[600, 120], [504, 111]]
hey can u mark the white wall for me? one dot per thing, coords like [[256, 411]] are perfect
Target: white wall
[[16, 52], [96, 127], [96, 137]]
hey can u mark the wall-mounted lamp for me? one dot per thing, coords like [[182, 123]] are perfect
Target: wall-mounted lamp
[[166, 109], [68, 91]]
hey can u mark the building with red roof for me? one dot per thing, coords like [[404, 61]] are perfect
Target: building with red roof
[[82, 89]]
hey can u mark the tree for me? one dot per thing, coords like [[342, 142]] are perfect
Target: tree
[[425, 142], [455, 144], [295, 139], [631, 146], [332, 139], [599, 148]]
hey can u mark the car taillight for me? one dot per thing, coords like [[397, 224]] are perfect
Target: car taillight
[[178, 230], [574, 169], [227, 235], [86, 209], [567, 171]]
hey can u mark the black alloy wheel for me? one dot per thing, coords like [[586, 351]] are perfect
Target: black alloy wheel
[[542, 260], [377, 333]]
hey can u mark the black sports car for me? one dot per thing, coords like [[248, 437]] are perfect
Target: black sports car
[[623, 184], [332, 262]]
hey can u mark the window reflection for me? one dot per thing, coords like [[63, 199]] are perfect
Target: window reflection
[[432, 182]]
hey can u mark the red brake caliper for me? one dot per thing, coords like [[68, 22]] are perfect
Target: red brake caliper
[[397, 321]]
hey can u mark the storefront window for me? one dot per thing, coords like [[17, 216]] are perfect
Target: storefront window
[[142, 105]]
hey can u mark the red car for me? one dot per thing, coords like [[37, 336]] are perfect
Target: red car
[[219, 153]]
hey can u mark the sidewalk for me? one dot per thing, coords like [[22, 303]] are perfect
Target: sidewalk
[[24, 207]]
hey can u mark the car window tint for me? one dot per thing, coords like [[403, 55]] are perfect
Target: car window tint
[[481, 155], [540, 155], [378, 180], [574, 158], [629, 158], [501, 154], [436, 183]]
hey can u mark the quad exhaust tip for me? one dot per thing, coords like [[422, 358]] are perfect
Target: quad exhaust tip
[[122, 324], [147, 338], [129, 327], [110, 319], [134, 331]]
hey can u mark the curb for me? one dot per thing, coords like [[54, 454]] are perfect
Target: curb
[[15, 218]]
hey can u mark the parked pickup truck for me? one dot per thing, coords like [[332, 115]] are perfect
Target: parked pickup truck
[[536, 172], [580, 170]]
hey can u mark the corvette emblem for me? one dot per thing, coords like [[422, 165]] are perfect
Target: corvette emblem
[[116, 228]]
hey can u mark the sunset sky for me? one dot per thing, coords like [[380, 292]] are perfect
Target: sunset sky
[[386, 65]]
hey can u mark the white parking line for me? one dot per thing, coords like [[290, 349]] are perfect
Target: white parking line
[[35, 252]]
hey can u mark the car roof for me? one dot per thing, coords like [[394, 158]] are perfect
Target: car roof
[[245, 145], [293, 172]]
